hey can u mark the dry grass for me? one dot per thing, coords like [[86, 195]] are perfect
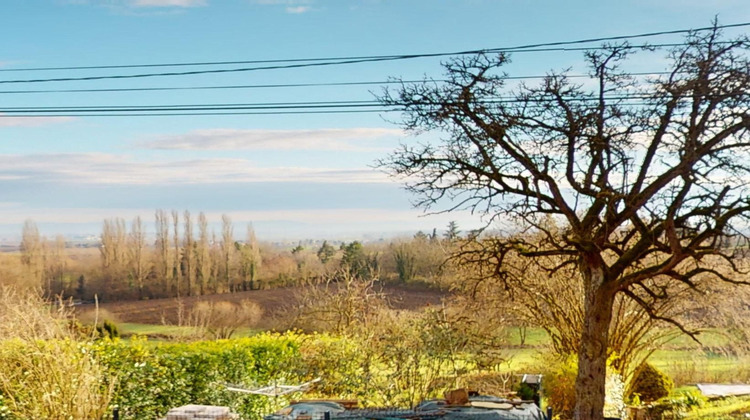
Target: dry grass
[[45, 371], [24, 315]]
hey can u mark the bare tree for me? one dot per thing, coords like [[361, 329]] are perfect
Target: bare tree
[[32, 252], [340, 302], [222, 319], [110, 248], [56, 266], [114, 251], [188, 254], [203, 255], [554, 302], [227, 251], [216, 259], [177, 261], [137, 255], [163, 261], [646, 178], [250, 260]]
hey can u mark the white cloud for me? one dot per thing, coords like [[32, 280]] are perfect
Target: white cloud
[[128, 6], [292, 6], [98, 168], [167, 3], [9, 121], [227, 139], [269, 224], [297, 9], [283, 2], [8, 63]]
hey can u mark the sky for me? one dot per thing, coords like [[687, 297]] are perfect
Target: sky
[[293, 176]]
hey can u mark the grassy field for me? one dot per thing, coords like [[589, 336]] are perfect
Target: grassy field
[[170, 331]]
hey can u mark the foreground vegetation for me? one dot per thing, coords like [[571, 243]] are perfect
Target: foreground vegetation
[[52, 366], [342, 328]]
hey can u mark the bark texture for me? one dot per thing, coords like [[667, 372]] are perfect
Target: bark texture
[[592, 356]]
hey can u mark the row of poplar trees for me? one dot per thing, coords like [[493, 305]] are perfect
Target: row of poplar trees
[[184, 259]]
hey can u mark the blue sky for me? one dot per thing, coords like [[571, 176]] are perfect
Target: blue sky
[[293, 176]]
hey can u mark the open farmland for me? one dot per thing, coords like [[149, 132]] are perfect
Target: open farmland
[[274, 302]]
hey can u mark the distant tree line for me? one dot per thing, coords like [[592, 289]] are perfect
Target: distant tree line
[[182, 257]]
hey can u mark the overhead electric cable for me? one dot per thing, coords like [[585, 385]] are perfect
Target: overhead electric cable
[[263, 86], [238, 70], [277, 106], [185, 114], [391, 56], [218, 113], [287, 85], [353, 60]]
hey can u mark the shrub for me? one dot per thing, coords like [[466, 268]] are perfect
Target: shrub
[[650, 384], [44, 371], [25, 315], [221, 320], [525, 392], [151, 378], [108, 329], [56, 378], [559, 387], [4, 410], [676, 407], [340, 362]]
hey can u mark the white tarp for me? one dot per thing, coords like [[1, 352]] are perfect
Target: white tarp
[[723, 390]]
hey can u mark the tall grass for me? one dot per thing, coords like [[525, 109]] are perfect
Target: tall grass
[[46, 371]]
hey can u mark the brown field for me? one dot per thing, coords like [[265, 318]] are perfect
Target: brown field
[[273, 302]]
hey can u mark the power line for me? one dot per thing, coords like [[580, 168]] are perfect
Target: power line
[[262, 86], [362, 59], [289, 85], [275, 107], [185, 114], [519, 48], [178, 106], [220, 113], [184, 108], [261, 68]]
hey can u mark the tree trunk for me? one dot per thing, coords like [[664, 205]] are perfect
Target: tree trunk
[[592, 355]]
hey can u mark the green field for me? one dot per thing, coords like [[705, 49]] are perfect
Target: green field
[[162, 332]]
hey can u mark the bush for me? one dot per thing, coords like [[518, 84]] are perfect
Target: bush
[[676, 407], [151, 379], [559, 387], [650, 384], [4, 410], [221, 320], [45, 372], [56, 378], [525, 392], [108, 330], [340, 362], [403, 361]]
